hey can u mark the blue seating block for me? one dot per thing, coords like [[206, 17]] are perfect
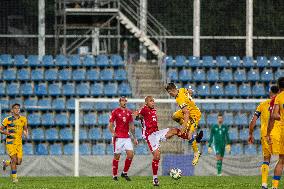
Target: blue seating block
[[61, 119], [47, 61], [33, 60], [199, 75], [41, 149], [261, 61], [102, 61], [97, 89], [5, 59], [120, 75], [235, 62], [47, 119], [61, 60], [98, 149], [203, 90], [231, 90], [79, 75], [85, 149], [64, 74], [68, 149], [106, 74], [28, 149], [275, 61], [124, 89], [248, 62], [37, 74], [169, 61], [19, 60], [23, 74], [51, 134], [55, 149], [93, 75], [34, 119], [194, 61], [222, 61], [217, 90], [58, 104], [74, 60], [240, 75], [245, 90], [40, 89], [68, 89], [13, 89], [66, 134], [9, 74], [90, 119], [213, 75], [83, 134], [54, 89], [172, 75], [207, 61], [95, 134], [50, 74], [116, 60], [110, 89], [89, 61], [180, 61], [38, 134], [253, 75], [266, 75], [226, 75]]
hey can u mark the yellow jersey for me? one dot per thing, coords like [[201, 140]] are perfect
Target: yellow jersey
[[183, 99], [279, 100], [15, 128]]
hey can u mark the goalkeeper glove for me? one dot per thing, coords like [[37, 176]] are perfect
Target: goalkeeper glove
[[228, 148], [209, 150]]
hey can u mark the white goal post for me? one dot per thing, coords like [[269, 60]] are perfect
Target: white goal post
[[132, 100]]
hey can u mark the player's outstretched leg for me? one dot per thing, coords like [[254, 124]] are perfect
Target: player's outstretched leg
[[5, 164]]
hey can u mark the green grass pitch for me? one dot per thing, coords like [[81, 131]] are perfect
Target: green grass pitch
[[194, 182]]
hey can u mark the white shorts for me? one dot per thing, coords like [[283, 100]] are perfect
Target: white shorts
[[122, 144], [153, 140]]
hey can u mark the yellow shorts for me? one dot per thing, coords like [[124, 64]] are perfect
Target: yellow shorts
[[270, 149], [194, 118], [15, 149]]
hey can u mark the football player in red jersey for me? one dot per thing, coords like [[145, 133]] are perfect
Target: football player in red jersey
[[122, 119], [153, 135]]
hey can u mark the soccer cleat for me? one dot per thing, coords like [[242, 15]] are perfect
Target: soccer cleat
[[196, 158], [15, 180], [4, 165], [124, 175], [115, 178], [219, 175], [263, 187], [199, 136], [156, 182]]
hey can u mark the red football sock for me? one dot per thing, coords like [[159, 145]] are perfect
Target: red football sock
[[127, 165], [155, 166], [114, 167]]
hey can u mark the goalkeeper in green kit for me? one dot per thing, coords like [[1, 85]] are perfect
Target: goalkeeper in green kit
[[220, 136]]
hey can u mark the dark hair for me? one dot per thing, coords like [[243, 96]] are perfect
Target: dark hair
[[16, 104], [274, 89], [280, 83], [170, 86], [122, 98], [220, 114]]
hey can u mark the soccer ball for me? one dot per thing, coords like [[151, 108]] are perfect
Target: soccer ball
[[175, 173]]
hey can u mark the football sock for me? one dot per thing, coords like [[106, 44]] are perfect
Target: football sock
[[7, 162], [114, 167], [194, 146], [275, 181], [14, 174], [219, 167], [127, 165], [264, 172], [155, 167]]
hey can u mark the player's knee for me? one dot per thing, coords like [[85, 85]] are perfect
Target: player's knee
[[116, 156], [130, 155], [156, 155], [14, 161], [19, 162]]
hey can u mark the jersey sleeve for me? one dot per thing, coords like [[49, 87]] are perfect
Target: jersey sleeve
[[142, 111], [181, 99], [258, 111], [112, 117], [5, 122]]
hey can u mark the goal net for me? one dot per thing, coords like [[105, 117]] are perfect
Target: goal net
[[93, 148]]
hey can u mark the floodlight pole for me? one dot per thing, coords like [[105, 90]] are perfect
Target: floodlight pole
[[41, 28], [249, 27], [143, 28], [196, 28], [76, 138]]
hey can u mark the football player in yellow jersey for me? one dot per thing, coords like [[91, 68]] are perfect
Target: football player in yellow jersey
[[15, 126], [188, 116], [278, 114], [262, 111]]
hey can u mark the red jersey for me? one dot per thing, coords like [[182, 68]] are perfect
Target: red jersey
[[271, 106], [122, 119], [149, 121]]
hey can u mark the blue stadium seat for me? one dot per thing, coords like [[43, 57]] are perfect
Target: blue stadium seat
[[19, 60], [202, 121], [54, 89], [120, 75], [58, 104], [83, 89], [100, 106], [169, 61], [23, 74], [33, 60], [180, 61], [15, 100], [266, 75], [47, 61], [231, 90], [95, 134], [250, 150], [248, 62], [245, 90], [79, 75], [236, 149], [5, 59], [51, 134], [83, 134], [102, 61], [203, 90], [13, 89], [241, 119], [244, 133], [68, 89], [253, 75], [68, 149], [74, 60], [141, 149], [211, 119], [261, 62], [235, 62], [41, 149], [55, 149], [85, 149], [66, 134], [64, 74], [50, 74], [37, 74], [275, 61], [185, 75], [106, 74], [106, 134], [4, 104], [44, 104], [222, 106], [28, 149], [112, 105], [226, 75], [97, 89], [206, 134], [124, 89], [233, 134], [40, 89], [240, 75], [194, 61], [256, 134], [9, 74], [26, 89], [131, 106], [207, 61], [236, 107], [87, 106], [212, 75], [116, 60], [70, 104], [222, 62], [72, 119], [93, 75], [2, 149], [2, 88], [47, 119], [249, 107], [279, 73], [61, 60], [199, 75], [103, 119], [217, 90], [228, 118], [89, 61], [90, 119], [110, 89], [98, 149], [138, 133], [38, 134], [258, 90], [172, 75], [34, 119], [61, 119]]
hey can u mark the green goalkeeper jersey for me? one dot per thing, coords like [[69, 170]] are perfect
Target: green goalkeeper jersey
[[219, 135]]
